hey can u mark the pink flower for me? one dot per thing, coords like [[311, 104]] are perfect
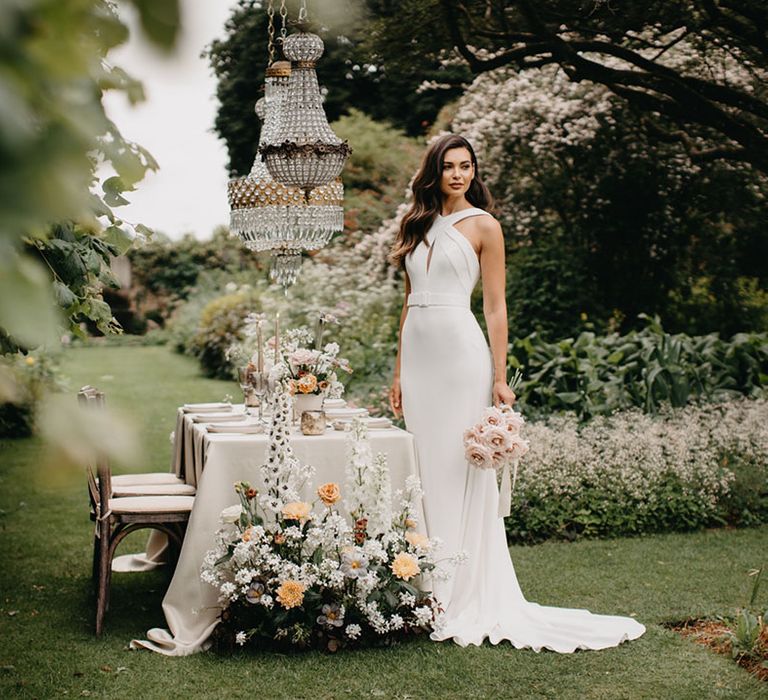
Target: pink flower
[[513, 421], [497, 439], [478, 455], [518, 447], [303, 356], [492, 416]]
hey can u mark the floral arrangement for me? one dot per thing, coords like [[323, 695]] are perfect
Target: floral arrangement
[[310, 368], [297, 356], [302, 574], [495, 443]]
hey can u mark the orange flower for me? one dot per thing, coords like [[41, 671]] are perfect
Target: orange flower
[[405, 566], [307, 384], [329, 493], [290, 594], [298, 510], [416, 539], [247, 534], [410, 523]]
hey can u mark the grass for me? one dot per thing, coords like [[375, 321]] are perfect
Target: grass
[[47, 648]]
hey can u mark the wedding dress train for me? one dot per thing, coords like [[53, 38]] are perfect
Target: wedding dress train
[[446, 377]]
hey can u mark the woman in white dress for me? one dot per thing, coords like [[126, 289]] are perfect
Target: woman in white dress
[[445, 375]]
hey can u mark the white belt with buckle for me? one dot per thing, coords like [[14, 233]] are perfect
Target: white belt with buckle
[[437, 299]]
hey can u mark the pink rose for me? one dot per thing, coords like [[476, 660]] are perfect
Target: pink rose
[[513, 422], [518, 448], [492, 416], [303, 356], [497, 439], [478, 455]]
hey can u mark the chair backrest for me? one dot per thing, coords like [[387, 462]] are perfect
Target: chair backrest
[[98, 491]]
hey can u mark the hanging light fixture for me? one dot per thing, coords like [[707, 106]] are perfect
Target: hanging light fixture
[[305, 153], [269, 215]]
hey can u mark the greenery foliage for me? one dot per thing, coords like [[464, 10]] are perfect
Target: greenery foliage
[[597, 375], [35, 375]]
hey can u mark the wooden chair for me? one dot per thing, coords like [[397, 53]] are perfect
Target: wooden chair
[[116, 518], [141, 484]]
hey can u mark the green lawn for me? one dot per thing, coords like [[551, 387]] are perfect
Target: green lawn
[[47, 648]]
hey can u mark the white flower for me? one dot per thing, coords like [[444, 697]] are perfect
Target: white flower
[[459, 558], [231, 514], [423, 615], [172, 437], [331, 349], [241, 638], [353, 631], [395, 622], [407, 599]]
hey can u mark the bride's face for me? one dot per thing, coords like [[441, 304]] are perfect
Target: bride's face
[[458, 172]]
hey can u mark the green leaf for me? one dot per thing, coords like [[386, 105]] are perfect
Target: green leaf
[[121, 239], [113, 187], [160, 20], [64, 295], [27, 309]]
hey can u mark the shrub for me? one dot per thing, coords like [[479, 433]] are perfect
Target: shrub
[[34, 375], [220, 326], [633, 473], [597, 375]]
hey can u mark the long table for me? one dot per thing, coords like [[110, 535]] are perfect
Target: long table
[[214, 462]]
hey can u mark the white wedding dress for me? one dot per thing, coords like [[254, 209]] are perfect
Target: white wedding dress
[[446, 378]]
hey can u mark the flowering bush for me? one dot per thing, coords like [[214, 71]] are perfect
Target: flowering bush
[[302, 573], [632, 473], [33, 375]]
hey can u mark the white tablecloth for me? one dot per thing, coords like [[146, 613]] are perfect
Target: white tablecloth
[[214, 462]]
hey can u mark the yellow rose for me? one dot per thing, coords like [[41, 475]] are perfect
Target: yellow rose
[[410, 523], [329, 493], [405, 566], [298, 510], [307, 384], [416, 539], [29, 360], [290, 594]]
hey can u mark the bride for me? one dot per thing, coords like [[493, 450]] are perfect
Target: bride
[[445, 374]]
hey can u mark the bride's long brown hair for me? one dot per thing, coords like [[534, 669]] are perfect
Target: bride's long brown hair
[[428, 198]]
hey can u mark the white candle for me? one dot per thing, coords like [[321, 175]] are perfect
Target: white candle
[[277, 337], [259, 340]]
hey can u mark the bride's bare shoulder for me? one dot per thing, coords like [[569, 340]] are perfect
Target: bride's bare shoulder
[[489, 228]]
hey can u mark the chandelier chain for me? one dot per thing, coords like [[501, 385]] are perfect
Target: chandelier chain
[[271, 32], [283, 20], [303, 11]]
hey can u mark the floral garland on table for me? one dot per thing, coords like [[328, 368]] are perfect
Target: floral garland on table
[[300, 574]]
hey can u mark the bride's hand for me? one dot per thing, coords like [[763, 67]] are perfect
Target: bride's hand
[[396, 397], [503, 394]]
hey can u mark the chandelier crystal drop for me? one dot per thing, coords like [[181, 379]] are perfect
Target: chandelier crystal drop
[[269, 215], [304, 153]]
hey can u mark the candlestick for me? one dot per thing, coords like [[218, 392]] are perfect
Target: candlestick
[[259, 340], [277, 336]]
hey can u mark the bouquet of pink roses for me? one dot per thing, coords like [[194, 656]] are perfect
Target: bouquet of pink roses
[[495, 443]]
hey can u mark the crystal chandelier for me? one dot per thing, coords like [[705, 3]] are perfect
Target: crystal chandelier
[[269, 215], [305, 153]]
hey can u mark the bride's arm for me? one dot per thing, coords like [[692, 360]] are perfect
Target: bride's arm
[[395, 396], [493, 269]]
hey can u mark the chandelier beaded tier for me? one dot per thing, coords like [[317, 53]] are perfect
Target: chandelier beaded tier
[[269, 215], [305, 153]]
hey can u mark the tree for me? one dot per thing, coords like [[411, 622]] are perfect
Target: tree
[[715, 106]]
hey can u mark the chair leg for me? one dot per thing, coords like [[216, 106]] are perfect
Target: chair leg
[[105, 567], [95, 567]]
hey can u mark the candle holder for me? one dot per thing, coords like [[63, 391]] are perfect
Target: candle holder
[[261, 388]]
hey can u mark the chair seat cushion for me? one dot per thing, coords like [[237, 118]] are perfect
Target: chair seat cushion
[[152, 504], [122, 491], [146, 478]]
